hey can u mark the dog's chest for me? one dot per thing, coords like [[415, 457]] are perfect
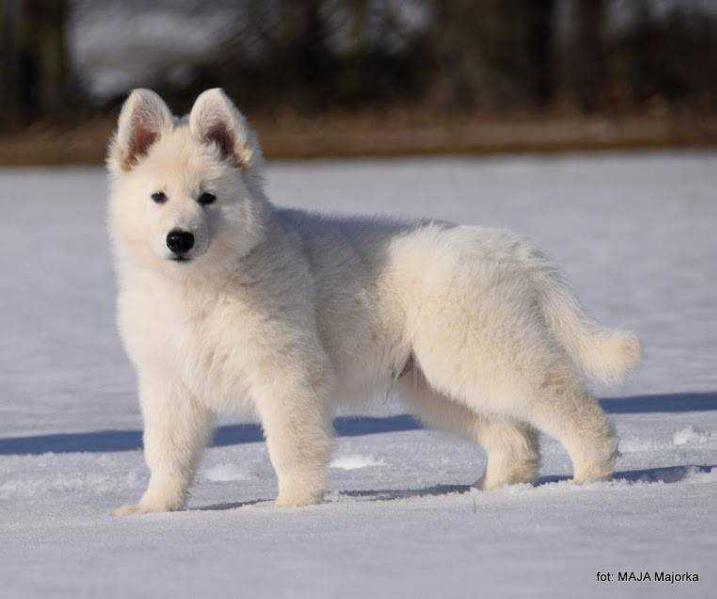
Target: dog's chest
[[206, 343]]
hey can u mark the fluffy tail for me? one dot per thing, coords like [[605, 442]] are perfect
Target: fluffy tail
[[605, 355]]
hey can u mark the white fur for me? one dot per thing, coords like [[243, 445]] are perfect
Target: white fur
[[291, 313]]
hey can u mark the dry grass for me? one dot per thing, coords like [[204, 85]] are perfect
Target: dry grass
[[390, 135]]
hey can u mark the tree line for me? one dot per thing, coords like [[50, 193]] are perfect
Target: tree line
[[492, 56]]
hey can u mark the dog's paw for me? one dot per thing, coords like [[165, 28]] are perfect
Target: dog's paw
[[127, 510], [518, 474], [592, 474], [141, 508], [485, 484], [298, 499], [599, 468], [493, 484]]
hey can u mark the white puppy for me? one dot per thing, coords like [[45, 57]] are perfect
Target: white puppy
[[225, 299]]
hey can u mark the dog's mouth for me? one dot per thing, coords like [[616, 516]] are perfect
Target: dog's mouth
[[179, 258]]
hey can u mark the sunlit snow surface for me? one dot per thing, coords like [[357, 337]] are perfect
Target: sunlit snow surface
[[636, 235]]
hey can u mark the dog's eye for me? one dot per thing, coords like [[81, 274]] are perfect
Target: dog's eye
[[207, 198], [159, 197]]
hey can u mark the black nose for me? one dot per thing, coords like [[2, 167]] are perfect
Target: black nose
[[180, 242]]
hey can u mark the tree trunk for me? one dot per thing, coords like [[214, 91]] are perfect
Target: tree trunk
[[34, 58], [588, 61], [539, 49]]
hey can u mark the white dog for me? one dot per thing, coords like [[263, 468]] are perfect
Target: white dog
[[224, 299]]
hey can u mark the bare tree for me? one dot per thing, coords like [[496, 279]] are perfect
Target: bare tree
[[587, 64], [494, 54], [34, 57]]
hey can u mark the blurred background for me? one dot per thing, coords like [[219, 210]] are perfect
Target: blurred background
[[366, 77]]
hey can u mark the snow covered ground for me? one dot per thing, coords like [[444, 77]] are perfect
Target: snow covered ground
[[636, 234]]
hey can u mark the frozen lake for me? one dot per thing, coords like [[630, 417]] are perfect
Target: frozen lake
[[635, 234]]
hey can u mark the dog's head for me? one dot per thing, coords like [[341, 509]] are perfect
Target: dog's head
[[184, 189]]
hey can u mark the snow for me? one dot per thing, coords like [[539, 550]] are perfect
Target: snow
[[635, 232], [224, 473], [691, 435], [354, 462]]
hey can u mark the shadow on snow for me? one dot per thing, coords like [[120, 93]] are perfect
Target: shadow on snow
[[117, 440], [670, 474]]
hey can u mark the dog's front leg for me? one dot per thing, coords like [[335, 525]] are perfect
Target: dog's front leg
[[176, 430], [298, 424]]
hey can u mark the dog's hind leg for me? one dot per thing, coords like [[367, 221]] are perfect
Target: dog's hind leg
[[553, 400], [511, 447], [176, 430], [561, 407], [516, 370]]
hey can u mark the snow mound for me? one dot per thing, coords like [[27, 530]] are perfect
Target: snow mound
[[690, 435], [224, 473], [355, 462]]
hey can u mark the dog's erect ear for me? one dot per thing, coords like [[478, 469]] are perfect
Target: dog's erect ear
[[143, 118], [214, 119]]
